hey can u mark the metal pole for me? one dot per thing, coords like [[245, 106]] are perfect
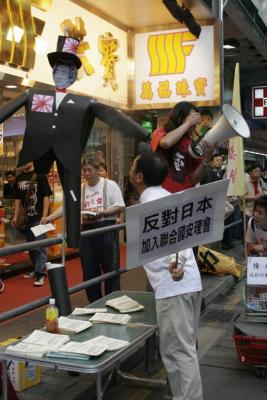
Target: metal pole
[[98, 386], [221, 7], [63, 232], [4, 379], [18, 248]]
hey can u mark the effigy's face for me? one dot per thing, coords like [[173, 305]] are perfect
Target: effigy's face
[[64, 75]]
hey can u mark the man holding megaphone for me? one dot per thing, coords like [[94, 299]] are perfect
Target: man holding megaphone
[[174, 141]]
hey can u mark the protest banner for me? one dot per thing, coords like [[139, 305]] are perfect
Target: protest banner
[[175, 222]]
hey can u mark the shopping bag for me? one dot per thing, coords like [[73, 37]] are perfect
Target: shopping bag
[[216, 263]]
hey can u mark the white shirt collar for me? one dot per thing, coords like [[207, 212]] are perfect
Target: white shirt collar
[[152, 191]]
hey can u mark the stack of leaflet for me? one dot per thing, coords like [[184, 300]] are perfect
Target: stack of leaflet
[[124, 304], [90, 348], [87, 311], [72, 325], [108, 318], [41, 343], [38, 343]]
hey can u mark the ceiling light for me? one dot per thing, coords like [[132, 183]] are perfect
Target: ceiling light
[[11, 86], [40, 45], [263, 12], [15, 32], [27, 82], [228, 46], [255, 152]]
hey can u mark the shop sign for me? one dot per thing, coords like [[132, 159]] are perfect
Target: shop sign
[[259, 102], [176, 222], [103, 48], [19, 30], [174, 65], [107, 47]]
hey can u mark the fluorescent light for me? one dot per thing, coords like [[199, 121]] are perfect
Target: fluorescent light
[[40, 45], [27, 82], [15, 32], [131, 68], [255, 152], [11, 86], [228, 46]]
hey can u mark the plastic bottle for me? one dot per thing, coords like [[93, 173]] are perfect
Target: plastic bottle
[[51, 317]]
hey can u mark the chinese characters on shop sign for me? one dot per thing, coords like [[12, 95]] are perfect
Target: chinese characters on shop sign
[[171, 66]]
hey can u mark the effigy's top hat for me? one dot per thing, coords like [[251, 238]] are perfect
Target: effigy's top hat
[[66, 51]]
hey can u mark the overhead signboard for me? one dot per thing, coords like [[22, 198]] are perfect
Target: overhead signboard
[[259, 102], [176, 222], [173, 65], [103, 48]]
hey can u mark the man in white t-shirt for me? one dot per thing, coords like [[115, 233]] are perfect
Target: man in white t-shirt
[[101, 202], [177, 294]]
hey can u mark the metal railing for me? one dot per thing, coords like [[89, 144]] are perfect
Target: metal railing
[[60, 240], [48, 242]]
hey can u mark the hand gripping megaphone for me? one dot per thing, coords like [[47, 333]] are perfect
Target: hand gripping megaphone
[[229, 125]]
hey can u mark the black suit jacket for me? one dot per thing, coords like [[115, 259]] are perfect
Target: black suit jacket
[[64, 130]]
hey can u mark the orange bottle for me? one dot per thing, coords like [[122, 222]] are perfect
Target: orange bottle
[[51, 317]]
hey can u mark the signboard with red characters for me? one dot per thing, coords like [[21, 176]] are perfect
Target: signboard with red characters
[[259, 102]]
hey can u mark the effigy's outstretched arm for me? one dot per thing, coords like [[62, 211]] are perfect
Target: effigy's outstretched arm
[[118, 120], [12, 106]]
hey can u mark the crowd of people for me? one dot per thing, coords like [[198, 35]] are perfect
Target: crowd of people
[[165, 168]]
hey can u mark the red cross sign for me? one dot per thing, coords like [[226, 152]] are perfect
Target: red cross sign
[[259, 102]]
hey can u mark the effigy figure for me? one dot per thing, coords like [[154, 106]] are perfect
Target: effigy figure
[[58, 125]]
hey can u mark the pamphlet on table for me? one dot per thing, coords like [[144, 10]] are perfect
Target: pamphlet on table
[[88, 311], [111, 318], [72, 325], [124, 304]]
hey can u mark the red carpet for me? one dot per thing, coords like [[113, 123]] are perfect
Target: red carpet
[[19, 291]]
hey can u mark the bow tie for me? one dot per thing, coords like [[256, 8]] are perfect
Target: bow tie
[[63, 90]]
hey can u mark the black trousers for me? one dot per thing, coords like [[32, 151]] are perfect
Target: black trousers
[[71, 186], [100, 254]]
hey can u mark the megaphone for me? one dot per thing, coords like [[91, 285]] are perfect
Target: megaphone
[[229, 125]]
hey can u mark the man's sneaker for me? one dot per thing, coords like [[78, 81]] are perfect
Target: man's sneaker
[[2, 286], [29, 275], [39, 280]]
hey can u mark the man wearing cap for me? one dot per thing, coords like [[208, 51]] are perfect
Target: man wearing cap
[[58, 125]]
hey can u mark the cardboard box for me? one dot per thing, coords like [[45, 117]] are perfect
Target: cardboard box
[[22, 375]]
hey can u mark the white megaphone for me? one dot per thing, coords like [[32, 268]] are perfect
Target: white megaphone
[[229, 125]]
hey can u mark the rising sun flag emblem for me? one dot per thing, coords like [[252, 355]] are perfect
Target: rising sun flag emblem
[[42, 103]]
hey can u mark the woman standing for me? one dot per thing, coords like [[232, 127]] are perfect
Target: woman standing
[[173, 142]]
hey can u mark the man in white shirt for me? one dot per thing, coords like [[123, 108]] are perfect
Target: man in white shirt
[[101, 202], [253, 189], [178, 295]]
